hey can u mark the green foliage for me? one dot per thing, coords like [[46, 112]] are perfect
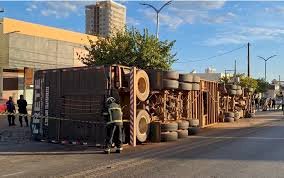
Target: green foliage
[[131, 48], [245, 82], [248, 82], [262, 86]]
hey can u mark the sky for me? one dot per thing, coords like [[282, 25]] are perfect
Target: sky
[[202, 29]]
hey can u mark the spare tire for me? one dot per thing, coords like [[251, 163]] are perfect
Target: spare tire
[[169, 127], [170, 84], [233, 92], [239, 92], [185, 78], [185, 86], [239, 87], [196, 86], [169, 136], [142, 125], [196, 79], [142, 85], [193, 122], [173, 75], [229, 119], [182, 133], [183, 125], [234, 87], [250, 89], [229, 114], [193, 130]]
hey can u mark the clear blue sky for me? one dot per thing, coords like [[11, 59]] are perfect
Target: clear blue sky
[[201, 29]]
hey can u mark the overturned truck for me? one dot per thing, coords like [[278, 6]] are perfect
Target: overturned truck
[[156, 105]]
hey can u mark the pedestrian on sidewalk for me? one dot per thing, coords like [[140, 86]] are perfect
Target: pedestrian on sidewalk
[[22, 104], [274, 104], [11, 111]]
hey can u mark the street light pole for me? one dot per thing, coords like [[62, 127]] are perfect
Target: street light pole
[[265, 60], [157, 14]]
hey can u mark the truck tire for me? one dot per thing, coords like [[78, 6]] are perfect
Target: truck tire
[[193, 123], [195, 86], [229, 119], [142, 85], [170, 84], [193, 130], [155, 77], [182, 133], [187, 78], [185, 86], [234, 87], [239, 92], [173, 75], [142, 125], [169, 136], [239, 87], [183, 125], [233, 92], [229, 114], [169, 127], [196, 79]]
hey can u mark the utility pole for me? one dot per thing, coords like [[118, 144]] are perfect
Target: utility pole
[[235, 72], [248, 61]]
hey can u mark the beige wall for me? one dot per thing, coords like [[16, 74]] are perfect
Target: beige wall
[[4, 43]]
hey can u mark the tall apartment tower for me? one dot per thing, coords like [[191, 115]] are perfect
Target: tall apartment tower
[[105, 18]]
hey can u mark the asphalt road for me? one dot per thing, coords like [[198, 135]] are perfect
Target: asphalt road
[[248, 148]]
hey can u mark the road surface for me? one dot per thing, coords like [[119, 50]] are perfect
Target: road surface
[[247, 148]]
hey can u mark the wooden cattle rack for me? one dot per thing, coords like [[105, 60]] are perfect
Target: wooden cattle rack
[[204, 104]]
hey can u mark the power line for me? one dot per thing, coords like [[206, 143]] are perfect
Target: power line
[[218, 55]]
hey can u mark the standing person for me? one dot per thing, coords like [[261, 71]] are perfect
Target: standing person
[[256, 103], [114, 127], [269, 103], [22, 104], [11, 111], [273, 104], [282, 100]]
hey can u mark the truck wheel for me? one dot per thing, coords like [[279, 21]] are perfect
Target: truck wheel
[[169, 136], [239, 92], [250, 90], [185, 86], [143, 86], [187, 78], [142, 125], [173, 75], [239, 87], [193, 130], [193, 122], [170, 84], [182, 133], [233, 92], [234, 87], [183, 125], [169, 127], [229, 114], [229, 119], [196, 86], [196, 79]]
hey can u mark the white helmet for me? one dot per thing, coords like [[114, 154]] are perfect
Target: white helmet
[[110, 100]]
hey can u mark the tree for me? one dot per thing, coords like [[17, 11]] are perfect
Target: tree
[[262, 86], [248, 82], [131, 48], [245, 82]]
